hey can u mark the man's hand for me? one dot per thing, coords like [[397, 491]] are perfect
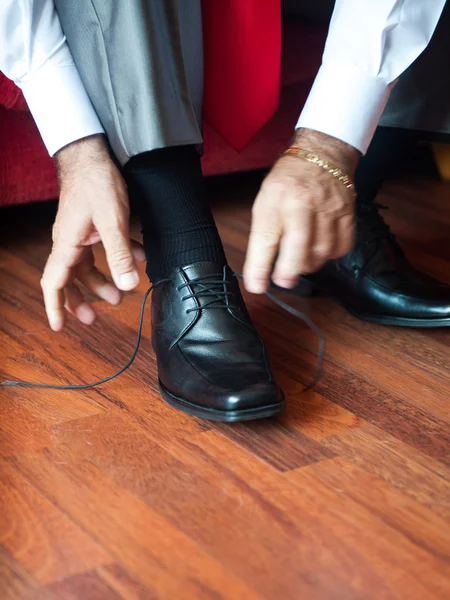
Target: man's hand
[[93, 207], [302, 213]]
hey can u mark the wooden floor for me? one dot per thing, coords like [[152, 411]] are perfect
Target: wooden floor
[[110, 493]]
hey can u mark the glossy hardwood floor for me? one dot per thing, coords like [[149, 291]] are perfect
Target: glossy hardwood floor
[[110, 494]]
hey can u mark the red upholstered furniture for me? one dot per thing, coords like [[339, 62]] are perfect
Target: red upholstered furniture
[[27, 173]]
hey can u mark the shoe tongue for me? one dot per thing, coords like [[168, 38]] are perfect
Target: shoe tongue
[[203, 268]]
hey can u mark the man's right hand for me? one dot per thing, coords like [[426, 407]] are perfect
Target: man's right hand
[[93, 207]]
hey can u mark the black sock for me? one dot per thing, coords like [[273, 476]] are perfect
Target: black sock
[[387, 149], [168, 190]]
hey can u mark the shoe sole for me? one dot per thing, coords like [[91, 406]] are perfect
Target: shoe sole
[[314, 288], [397, 321], [230, 416]]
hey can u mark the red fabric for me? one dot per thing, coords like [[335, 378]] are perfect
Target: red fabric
[[27, 173], [10, 95], [242, 50]]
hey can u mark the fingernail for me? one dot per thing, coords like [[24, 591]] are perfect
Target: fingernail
[[286, 283], [56, 324], [85, 313], [112, 294], [139, 254], [128, 281], [256, 287]]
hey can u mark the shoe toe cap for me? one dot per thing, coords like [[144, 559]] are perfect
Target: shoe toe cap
[[256, 396]]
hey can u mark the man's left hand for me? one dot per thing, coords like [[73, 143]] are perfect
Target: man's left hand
[[302, 213]]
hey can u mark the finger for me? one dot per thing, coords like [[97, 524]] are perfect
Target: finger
[[138, 251], [56, 276], [76, 305], [97, 283], [263, 244], [115, 237], [295, 247], [324, 241], [345, 237]]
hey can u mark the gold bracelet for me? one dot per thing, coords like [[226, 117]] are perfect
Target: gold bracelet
[[325, 164]]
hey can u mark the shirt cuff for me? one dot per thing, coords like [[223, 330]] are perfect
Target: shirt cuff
[[346, 104], [60, 106]]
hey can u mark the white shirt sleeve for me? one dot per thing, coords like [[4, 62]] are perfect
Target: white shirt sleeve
[[370, 44], [35, 55]]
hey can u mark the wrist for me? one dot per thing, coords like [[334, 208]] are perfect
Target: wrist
[[77, 155], [340, 153]]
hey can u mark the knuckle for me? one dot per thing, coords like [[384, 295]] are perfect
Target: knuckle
[[115, 218], [264, 208], [322, 251], [297, 240], [121, 257], [267, 238]]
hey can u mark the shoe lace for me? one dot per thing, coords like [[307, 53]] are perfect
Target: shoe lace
[[219, 299], [371, 225], [212, 286]]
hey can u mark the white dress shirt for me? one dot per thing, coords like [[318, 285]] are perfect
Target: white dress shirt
[[370, 43], [35, 55]]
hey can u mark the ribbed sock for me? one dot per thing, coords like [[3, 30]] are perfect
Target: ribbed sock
[[168, 190]]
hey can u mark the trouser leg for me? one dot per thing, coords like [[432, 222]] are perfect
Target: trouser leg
[[141, 62], [388, 148]]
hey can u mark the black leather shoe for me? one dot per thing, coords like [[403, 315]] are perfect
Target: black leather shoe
[[375, 281], [211, 361]]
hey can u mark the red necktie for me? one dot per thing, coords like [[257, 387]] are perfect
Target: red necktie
[[242, 49]]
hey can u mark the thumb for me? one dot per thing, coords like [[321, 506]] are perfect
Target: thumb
[[116, 241]]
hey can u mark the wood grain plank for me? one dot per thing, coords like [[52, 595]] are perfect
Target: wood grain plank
[[110, 582], [316, 505], [85, 586], [397, 554], [401, 466], [412, 362], [128, 588], [17, 584], [315, 416], [363, 554], [364, 398], [209, 488], [394, 508], [163, 557], [46, 542]]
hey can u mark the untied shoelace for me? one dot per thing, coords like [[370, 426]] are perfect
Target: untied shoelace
[[286, 307]]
